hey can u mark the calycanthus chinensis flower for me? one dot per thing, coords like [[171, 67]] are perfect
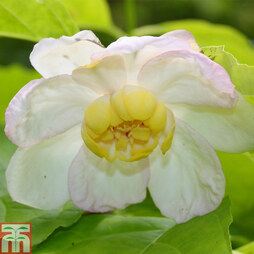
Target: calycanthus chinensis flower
[[103, 124]]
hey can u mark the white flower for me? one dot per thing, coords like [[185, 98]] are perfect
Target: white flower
[[104, 124]]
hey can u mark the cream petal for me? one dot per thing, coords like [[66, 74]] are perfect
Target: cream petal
[[37, 176], [44, 108], [104, 76], [51, 57], [227, 130], [188, 77], [97, 185], [188, 180]]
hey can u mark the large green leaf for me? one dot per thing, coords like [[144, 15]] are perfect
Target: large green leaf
[[12, 78], [93, 14], [145, 208], [43, 222], [90, 13], [239, 173], [35, 19], [208, 34], [107, 233]]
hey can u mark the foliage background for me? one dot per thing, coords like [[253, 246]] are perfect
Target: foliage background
[[139, 228]]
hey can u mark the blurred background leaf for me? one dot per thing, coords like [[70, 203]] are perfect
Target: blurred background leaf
[[235, 13], [94, 15], [35, 19], [90, 13], [247, 249]]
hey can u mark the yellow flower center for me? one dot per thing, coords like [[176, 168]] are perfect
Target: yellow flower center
[[127, 125]]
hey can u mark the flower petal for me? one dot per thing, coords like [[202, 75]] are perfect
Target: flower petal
[[104, 76], [51, 57], [184, 35], [178, 39], [187, 181], [97, 185], [227, 130], [188, 77], [37, 176], [138, 50], [44, 108]]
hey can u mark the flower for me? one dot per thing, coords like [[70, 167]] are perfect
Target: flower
[[103, 124]]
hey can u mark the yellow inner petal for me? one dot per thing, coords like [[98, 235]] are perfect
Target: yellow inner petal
[[127, 125], [140, 103], [98, 115]]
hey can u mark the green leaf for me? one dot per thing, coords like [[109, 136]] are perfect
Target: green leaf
[[241, 75], [106, 233], [94, 15], [239, 173], [35, 19], [10, 237], [12, 78], [247, 249], [90, 13], [208, 34], [43, 222], [145, 208]]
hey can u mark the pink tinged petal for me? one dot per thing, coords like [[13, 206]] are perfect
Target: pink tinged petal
[[97, 185], [104, 76], [188, 77], [186, 36], [44, 108], [37, 176], [188, 180], [178, 39], [227, 130], [138, 50], [51, 57]]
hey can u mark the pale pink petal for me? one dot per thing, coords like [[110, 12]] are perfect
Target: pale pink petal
[[44, 108], [188, 180], [37, 176], [138, 50], [184, 35], [188, 77], [178, 39], [51, 57], [97, 185]]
